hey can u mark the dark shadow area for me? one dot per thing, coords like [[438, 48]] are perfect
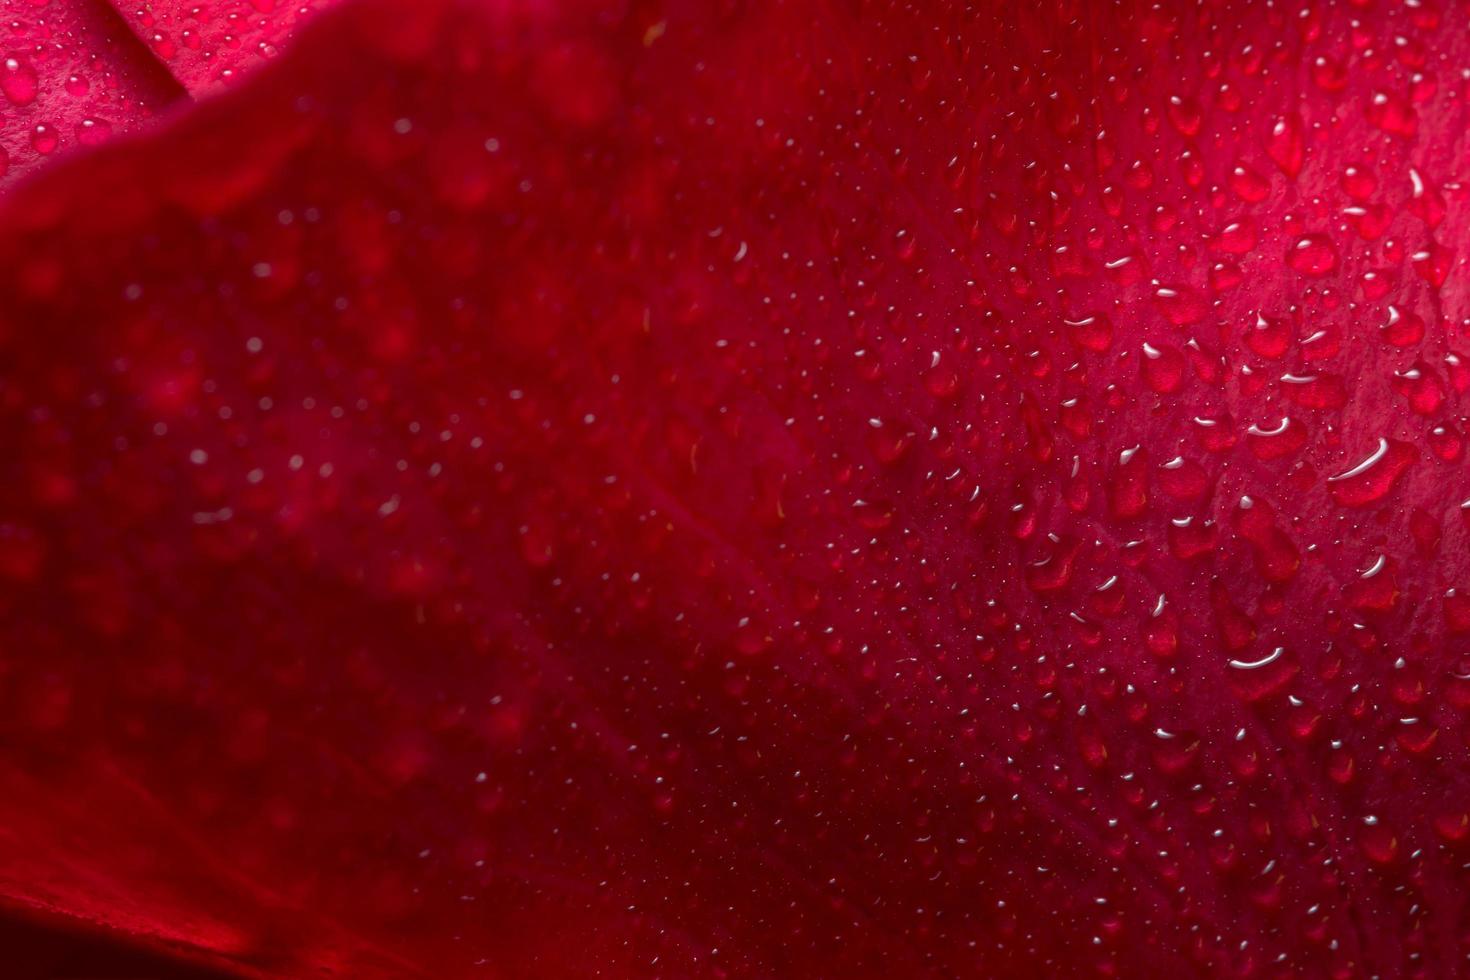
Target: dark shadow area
[[31, 950]]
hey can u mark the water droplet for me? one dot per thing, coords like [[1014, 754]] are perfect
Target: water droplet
[[18, 82], [1313, 255], [1370, 480]]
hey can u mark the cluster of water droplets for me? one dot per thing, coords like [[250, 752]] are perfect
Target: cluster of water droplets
[[996, 474]]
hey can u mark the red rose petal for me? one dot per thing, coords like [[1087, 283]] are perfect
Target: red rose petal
[[768, 491], [37, 947], [207, 45], [70, 75]]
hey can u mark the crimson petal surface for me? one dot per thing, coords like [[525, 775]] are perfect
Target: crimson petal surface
[[723, 490]]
